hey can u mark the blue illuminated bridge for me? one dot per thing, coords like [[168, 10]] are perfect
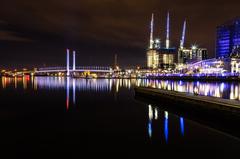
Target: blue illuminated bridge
[[95, 69]]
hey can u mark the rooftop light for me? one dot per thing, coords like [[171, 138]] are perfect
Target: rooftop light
[[194, 47]]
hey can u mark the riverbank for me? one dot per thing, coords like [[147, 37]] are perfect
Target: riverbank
[[191, 100], [216, 113], [198, 78]]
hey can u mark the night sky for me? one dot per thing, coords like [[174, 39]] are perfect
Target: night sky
[[37, 32]]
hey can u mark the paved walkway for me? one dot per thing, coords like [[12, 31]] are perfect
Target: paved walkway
[[223, 103]]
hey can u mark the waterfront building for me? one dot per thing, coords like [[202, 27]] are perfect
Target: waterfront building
[[236, 52], [152, 54], [162, 58], [221, 66], [191, 55], [152, 58], [228, 38], [235, 65], [167, 58], [158, 56]]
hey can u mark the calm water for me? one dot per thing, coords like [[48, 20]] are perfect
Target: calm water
[[75, 116]]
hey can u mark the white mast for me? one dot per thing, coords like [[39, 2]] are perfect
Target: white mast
[[167, 34], [151, 33], [74, 60], [183, 35], [68, 71]]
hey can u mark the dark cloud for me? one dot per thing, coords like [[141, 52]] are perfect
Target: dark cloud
[[98, 29], [11, 36]]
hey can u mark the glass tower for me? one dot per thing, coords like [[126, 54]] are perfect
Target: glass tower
[[228, 38]]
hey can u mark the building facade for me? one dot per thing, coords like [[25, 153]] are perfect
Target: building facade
[[161, 58], [216, 66], [152, 58], [167, 58], [228, 38], [191, 55]]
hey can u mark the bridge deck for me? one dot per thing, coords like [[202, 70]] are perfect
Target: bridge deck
[[78, 69]]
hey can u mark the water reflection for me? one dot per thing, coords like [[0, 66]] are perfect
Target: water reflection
[[227, 90], [150, 128], [153, 115], [25, 82], [15, 82], [217, 89], [67, 94], [166, 126], [74, 91], [4, 82], [150, 118], [156, 114], [157, 122], [182, 125]]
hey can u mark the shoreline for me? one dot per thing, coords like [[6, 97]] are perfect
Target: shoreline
[[218, 113], [174, 78], [194, 101]]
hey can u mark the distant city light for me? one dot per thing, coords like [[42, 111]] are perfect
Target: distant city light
[[194, 47]]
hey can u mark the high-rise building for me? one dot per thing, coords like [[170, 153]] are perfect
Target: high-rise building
[[200, 54], [167, 58], [191, 55], [152, 54], [152, 59], [228, 38], [158, 56]]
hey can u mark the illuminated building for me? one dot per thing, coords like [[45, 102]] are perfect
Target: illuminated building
[[167, 54], [221, 66], [210, 66], [158, 56], [236, 52], [228, 38], [167, 58], [235, 65], [191, 55], [152, 59], [152, 54], [200, 54], [157, 44], [161, 58]]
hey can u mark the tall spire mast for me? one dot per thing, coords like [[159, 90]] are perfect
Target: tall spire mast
[[151, 33], [74, 60], [167, 34], [68, 70], [183, 35]]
